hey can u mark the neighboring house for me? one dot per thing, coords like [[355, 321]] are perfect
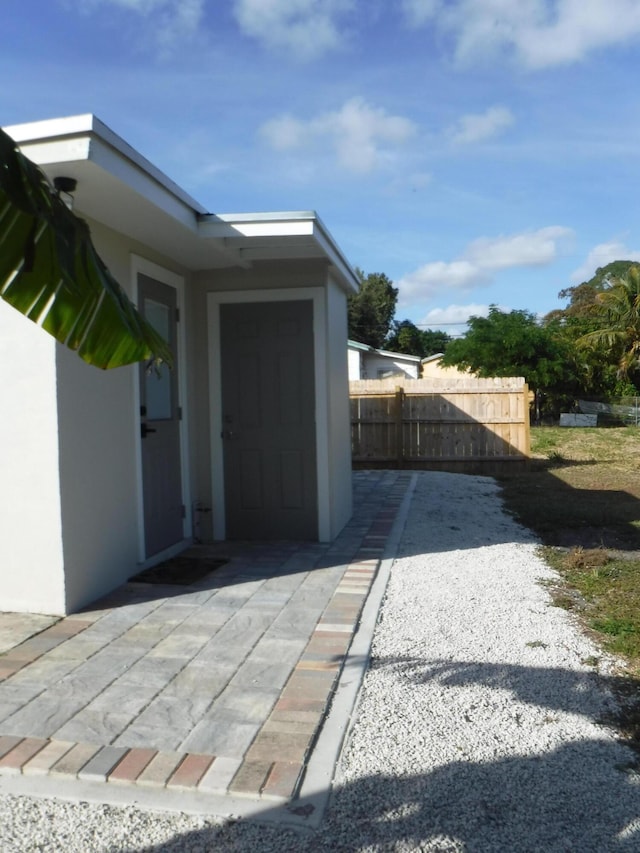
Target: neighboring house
[[367, 362], [432, 368], [103, 472]]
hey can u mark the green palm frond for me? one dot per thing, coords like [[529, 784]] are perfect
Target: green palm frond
[[51, 272], [618, 311]]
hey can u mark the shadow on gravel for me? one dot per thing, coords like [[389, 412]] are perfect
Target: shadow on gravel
[[534, 506], [571, 799], [582, 796], [554, 688]]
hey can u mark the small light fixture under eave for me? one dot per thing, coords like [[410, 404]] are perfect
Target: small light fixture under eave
[[65, 187]]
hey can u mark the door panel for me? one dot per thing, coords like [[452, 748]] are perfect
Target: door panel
[[268, 416], [160, 426]]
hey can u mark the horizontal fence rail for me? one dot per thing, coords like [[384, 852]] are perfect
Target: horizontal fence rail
[[467, 425]]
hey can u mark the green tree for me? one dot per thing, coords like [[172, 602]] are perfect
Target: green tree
[[51, 272], [580, 324], [406, 337], [514, 343], [434, 341], [371, 309], [616, 310]]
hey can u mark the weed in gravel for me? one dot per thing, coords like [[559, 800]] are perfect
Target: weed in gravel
[[609, 590]]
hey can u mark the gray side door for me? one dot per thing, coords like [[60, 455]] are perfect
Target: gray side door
[[268, 418], [160, 426]]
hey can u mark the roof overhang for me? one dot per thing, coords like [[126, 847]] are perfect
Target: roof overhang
[[119, 188], [362, 347], [399, 356]]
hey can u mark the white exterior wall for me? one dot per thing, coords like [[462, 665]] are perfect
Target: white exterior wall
[[100, 454], [341, 484], [69, 440], [98, 477], [354, 361], [374, 362], [30, 530]]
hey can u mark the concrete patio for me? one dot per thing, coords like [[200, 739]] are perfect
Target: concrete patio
[[181, 694]]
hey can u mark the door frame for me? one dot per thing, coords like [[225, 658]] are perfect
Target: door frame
[[177, 282], [317, 295]]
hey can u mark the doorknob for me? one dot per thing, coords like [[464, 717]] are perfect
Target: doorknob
[[145, 430], [226, 433]]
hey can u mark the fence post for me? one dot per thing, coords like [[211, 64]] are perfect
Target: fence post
[[399, 412]]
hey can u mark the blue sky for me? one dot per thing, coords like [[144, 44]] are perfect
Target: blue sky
[[476, 151]]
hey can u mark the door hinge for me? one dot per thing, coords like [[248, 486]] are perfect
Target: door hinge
[[177, 315], [179, 413], [183, 511]]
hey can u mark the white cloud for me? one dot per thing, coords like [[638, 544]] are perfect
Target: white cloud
[[418, 12], [306, 28], [482, 259], [454, 315], [600, 256], [359, 134], [540, 33], [476, 127], [433, 278], [528, 249], [284, 133], [168, 22]]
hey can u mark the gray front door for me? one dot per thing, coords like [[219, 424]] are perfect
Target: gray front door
[[268, 419], [160, 426]]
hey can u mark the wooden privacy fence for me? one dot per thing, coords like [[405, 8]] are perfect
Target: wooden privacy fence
[[465, 425]]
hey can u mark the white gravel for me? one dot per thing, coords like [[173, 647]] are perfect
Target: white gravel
[[477, 727]]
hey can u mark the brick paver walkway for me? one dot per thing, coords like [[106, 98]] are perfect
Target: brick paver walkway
[[220, 687]]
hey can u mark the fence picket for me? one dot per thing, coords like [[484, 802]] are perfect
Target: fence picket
[[469, 424]]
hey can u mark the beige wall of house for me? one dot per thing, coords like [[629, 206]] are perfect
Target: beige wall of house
[[436, 370]]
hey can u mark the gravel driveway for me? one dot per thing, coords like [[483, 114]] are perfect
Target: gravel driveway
[[477, 727]]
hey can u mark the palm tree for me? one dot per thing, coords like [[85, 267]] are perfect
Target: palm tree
[[618, 311], [50, 272]]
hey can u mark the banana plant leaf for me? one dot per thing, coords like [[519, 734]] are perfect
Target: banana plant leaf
[[51, 272]]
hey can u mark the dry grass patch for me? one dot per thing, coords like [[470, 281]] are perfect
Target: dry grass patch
[[582, 489], [606, 593], [581, 496]]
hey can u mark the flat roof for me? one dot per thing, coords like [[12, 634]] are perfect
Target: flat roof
[[120, 188]]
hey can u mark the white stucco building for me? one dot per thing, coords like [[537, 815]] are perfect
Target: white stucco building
[[103, 473], [366, 362]]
